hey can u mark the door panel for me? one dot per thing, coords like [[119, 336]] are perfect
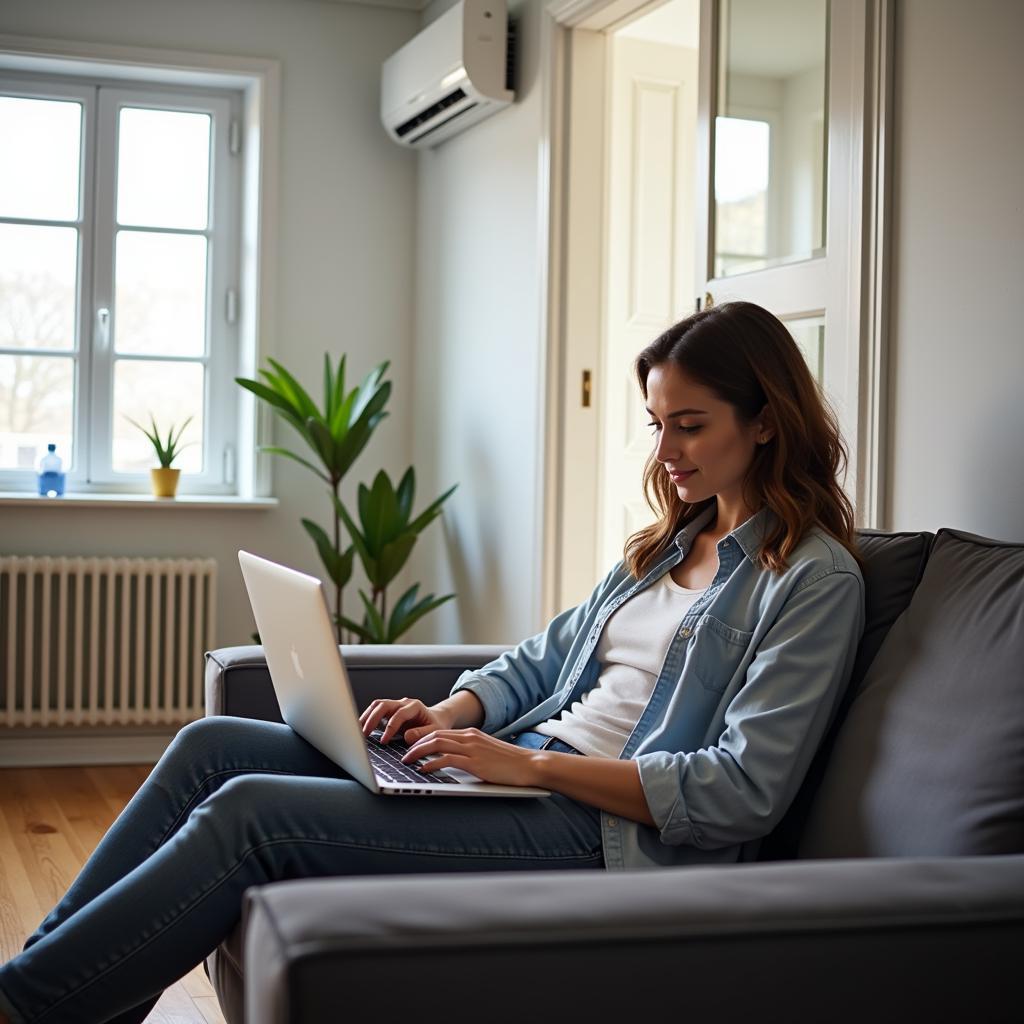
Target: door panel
[[649, 263]]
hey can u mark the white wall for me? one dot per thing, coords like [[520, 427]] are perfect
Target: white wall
[[957, 416], [478, 363], [956, 352], [345, 257]]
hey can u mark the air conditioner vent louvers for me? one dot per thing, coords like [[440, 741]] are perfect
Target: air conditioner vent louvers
[[432, 111], [510, 57], [441, 124]]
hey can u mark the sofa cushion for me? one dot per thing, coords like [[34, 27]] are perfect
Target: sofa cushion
[[892, 564], [930, 756]]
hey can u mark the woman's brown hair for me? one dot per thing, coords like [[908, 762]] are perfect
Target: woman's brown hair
[[746, 356]]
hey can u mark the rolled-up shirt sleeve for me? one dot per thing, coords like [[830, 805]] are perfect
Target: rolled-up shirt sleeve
[[520, 679], [739, 788]]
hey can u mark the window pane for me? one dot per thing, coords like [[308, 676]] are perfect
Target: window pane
[[38, 269], [742, 148], [809, 336], [35, 409], [160, 294], [163, 168], [770, 182], [171, 392], [41, 142]]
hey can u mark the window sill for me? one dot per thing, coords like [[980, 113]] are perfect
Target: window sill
[[204, 502]]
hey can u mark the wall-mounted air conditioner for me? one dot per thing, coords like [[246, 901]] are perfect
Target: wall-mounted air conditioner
[[456, 72]]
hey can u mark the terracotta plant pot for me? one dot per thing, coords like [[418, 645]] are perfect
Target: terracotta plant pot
[[165, 482]]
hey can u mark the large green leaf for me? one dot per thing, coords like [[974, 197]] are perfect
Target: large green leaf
[[328, 388], [406, 493], [390, 518], [370, 389], [280, 387], [360, 631], [392, 557], [405, 603], [368, 560], [374, 404], [274, 450], [343, 414], [431, 513], [355, 441], [339, 383], [338, 565], [325, 446], [397, 627], [363, 503], [383, 514], [278, 402], [305, 403], [373, 618]]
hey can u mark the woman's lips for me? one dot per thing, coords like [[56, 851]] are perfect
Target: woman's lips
[[678, 478]]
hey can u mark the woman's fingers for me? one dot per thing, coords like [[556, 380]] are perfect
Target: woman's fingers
[[378, 710], [409, 713], [445, 761], [436, 741]]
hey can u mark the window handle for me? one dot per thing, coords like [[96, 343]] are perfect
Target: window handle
[[103, 326]]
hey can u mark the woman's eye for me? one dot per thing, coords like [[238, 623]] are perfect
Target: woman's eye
[[679, 427]]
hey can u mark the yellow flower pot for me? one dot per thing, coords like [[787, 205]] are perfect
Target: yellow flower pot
[[165, 481]]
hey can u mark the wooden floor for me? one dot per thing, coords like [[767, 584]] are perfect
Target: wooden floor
[[50, 821]]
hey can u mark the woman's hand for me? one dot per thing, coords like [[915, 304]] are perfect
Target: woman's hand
[[402, 715], [474, 751]]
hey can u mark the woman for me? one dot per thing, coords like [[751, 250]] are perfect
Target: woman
[[673, 714]]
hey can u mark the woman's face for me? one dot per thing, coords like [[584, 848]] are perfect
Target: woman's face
[[699, 440]]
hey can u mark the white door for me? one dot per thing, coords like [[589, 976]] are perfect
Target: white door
[[649, 281], [822, 97], [781, 187]]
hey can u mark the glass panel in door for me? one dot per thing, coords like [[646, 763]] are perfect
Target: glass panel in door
[[770, 134]]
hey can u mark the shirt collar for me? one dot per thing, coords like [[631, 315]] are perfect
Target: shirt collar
[[749, 535]]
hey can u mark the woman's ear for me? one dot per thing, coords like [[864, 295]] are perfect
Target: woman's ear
[[766, 426]]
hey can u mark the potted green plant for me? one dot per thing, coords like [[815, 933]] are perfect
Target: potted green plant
[[337, 433], [164, 478]]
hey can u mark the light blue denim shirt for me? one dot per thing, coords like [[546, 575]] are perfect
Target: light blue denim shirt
[[749, 685]]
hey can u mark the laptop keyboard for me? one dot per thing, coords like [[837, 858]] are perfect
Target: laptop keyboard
[[387, 762]]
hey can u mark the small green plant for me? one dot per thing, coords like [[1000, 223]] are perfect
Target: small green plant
[[166, 451]]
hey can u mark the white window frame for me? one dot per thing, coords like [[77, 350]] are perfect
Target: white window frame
[[91, 463], [257, 81], [221, 353], [17, 480]]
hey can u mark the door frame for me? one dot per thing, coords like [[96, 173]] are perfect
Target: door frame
[[574, 120]]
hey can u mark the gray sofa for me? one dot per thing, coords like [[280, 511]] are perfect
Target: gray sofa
[[893, 888]]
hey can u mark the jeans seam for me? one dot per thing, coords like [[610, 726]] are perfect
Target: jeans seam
[[237, 866], [203, 782]]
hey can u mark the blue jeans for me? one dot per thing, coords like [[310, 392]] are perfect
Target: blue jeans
[[234, 803]]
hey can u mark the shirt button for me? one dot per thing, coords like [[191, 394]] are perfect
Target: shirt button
[[612, 822], [685, 631]]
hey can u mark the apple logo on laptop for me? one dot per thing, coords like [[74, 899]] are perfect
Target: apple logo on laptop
[[297, 664]]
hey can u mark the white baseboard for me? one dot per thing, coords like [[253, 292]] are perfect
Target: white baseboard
[[38, 748]]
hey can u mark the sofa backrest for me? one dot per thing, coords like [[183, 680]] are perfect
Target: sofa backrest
[[929, 759], [892, 566]]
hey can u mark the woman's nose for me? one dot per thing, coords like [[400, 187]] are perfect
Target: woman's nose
[[666, 450]]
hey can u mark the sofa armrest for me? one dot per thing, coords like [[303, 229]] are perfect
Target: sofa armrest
[[839, 940], [238, 681]]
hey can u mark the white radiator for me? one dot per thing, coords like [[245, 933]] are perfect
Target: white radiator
[[104, 641]]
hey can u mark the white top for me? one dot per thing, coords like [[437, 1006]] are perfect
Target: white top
[[631, 651]]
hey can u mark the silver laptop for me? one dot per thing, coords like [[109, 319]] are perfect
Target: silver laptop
[[315, 695]]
